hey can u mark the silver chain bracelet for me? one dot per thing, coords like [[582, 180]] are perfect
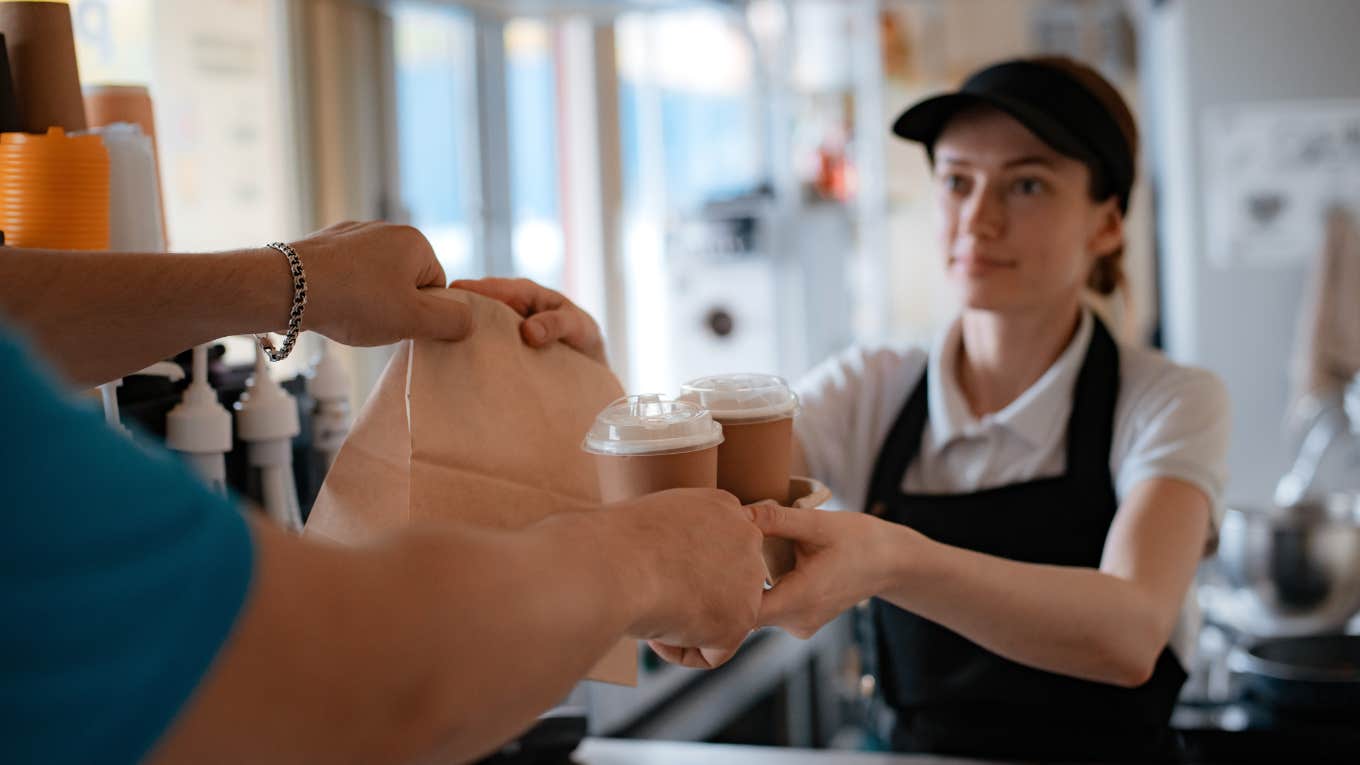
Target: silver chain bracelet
[[299, 305]]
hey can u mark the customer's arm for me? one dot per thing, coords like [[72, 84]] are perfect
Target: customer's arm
[[101, 315], [146, 612], [450, 640]]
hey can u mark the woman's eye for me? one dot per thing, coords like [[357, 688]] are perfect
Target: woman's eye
[[1029, 186], [955, 183]]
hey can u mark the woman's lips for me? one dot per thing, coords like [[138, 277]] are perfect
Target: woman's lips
[[979, 265]]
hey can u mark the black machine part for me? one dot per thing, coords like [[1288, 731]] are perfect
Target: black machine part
[[1316, 675]]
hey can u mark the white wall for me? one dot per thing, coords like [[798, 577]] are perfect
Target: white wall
[[1237, 321]]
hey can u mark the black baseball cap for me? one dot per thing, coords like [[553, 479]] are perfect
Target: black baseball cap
[[1064, 103]]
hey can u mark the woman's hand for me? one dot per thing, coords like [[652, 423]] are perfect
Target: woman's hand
[[696, 658], [842, 558], [367, 285], [549, 316]]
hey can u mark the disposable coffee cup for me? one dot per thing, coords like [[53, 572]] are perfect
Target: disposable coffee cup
[[645, 444], [756, 413], [755, 459]]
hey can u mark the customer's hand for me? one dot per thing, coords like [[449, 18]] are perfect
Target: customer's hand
[[841, 559], [703, 572], [549, 316], [364, 286]]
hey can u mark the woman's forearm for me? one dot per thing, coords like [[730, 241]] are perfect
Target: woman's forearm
[[1074, 621], [98, 316]]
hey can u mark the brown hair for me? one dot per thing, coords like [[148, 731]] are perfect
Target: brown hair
[[1107, 274]]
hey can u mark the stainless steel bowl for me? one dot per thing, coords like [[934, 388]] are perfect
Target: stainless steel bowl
[[1300, 564]]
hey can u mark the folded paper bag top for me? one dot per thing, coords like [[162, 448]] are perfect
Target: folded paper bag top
[[484, 431]]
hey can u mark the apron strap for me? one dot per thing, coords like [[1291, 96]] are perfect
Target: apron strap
[[1090, 428], [900, 446]]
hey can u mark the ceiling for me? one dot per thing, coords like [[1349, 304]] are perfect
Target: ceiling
[[594, 8]]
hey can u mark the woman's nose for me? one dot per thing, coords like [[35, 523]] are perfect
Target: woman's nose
[[984, 215]]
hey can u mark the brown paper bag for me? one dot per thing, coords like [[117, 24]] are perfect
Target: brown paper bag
[[484, 431]]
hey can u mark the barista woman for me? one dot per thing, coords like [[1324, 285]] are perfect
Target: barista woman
[[1037, 495]]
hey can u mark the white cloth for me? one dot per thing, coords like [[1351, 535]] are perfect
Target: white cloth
[[1327, 348], [1170, 421]]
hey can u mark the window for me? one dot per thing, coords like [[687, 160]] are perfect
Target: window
[[436, 129], [531, 79], [440, 150], [691, 134], [705, 115]]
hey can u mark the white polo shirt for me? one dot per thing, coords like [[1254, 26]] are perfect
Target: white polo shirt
[[1170, 421]]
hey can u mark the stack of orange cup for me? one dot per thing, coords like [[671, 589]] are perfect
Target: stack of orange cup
[[54, 191]]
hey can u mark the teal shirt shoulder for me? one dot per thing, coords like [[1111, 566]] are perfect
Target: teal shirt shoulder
[[121, 576]]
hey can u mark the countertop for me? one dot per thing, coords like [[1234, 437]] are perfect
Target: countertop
[[603, 751]]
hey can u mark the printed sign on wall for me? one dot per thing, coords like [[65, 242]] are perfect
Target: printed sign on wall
[[1272, 170]]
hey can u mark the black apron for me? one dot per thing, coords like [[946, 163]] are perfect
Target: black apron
[[952, 696]]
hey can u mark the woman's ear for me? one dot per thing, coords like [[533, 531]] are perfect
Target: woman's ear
[[1106, 230]]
